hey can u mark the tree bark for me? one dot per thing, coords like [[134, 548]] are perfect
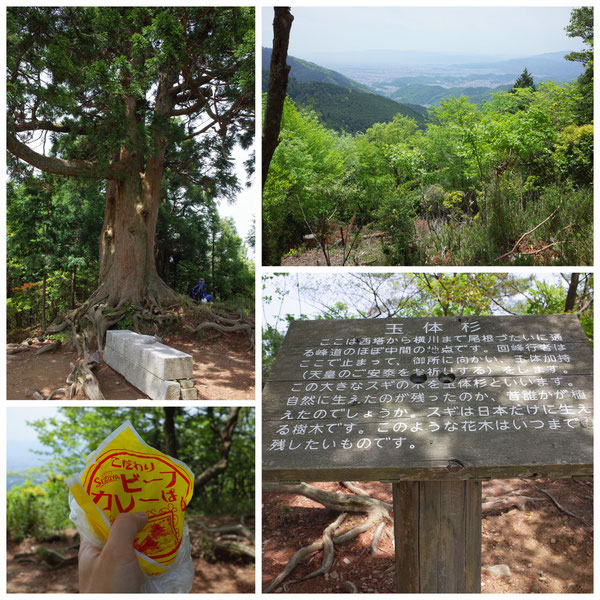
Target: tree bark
[[127, 258], [44, 300], [278, 80], [171, 444], [127, 266], [572, 293], [226, 438], [212, 263]]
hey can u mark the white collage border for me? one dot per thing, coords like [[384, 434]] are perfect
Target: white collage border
[[260, 270]]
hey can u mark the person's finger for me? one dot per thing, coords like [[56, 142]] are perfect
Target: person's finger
[[125, 527]]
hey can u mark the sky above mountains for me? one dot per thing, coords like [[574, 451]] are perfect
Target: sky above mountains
[[493, 31]]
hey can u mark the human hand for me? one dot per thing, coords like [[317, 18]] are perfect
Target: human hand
[[114, 568]]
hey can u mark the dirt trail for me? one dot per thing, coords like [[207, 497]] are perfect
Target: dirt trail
[[25, 575], [223, 370]]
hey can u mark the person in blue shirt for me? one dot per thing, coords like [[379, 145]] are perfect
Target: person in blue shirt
[[199, 292]]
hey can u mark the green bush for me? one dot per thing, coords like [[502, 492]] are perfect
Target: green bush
[[38, 510], [575, 153], [396, 215]]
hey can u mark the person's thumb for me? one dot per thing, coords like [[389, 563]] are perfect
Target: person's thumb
[[125, 527]]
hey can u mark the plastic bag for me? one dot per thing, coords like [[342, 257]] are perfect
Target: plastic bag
[[124, 474]]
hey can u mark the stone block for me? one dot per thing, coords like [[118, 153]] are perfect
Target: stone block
[[169, 390], [143, 350], [189, 394], [150, 384]]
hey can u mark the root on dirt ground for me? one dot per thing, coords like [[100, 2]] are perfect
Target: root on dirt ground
[[227, 542], [224, 325], [560, 544], [377, 511]]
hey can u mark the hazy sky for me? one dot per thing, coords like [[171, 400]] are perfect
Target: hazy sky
[[17, 429], [512, 31]]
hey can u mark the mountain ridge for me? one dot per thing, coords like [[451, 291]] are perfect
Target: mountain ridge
[[342, 103]]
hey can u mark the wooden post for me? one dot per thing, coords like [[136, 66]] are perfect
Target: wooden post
[[437, 527]]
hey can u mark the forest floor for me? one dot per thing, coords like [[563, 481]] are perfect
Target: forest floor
[[374, 248], [546, 550], [26, 575], [367, 251], [223, 370]]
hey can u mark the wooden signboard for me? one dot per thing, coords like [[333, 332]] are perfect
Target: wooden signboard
[[435, 405], [429, 398]]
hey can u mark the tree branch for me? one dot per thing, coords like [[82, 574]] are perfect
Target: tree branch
[[226, 435], [45, 125], [59, 166]]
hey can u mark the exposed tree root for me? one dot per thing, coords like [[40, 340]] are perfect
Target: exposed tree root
[[230, 542], [507, 502], [328, 554], [378, 515], [48, 557], [239, 529], [36, 395], [224, 325], [89, 324], [561, 508], [49, 347], [82, 378], [15, 349]]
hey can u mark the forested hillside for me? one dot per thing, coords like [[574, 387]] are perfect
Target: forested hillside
[[341, 103], [508, 181], [420, 93], [304, 71], [344, 109]]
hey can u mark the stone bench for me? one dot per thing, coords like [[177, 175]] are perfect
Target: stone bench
[[161, 372]]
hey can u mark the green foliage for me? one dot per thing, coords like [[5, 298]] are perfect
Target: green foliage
[[345, 109], [396, 216], [582, 25], [37, 510], [52, 227], [545, 299], [524, 80], [306, 182], [271, 342], [463, 190], [575, 153]]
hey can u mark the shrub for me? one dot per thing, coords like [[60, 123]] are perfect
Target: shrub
[[396, 216], [38, 510], [575, 153]]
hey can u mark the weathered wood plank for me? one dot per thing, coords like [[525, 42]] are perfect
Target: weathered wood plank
[[344, 425], [370, 455], [473, 537], [574, 360], [301, 333], [406, 534], [340, 398], [429, 534], [438, 536]]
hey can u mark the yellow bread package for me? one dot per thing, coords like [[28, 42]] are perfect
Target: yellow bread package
[[126, 475]]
